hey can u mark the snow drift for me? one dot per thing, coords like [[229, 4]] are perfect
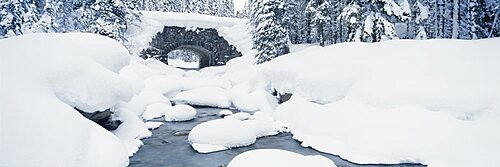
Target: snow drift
[[274, 157], [43, 76], [432, 102]]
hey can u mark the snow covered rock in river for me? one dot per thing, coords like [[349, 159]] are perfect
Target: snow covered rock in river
[[206, 96], [223, 134], [180, 113], [43, 83], [224, 113], [220, 134], [239, 116]]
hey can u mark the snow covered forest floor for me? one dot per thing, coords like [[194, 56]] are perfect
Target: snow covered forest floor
[[434, 102]]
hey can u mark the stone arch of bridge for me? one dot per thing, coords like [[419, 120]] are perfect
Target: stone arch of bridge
[[207, 44]]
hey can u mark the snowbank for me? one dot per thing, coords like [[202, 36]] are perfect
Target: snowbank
[[41, 85], [432, 102], [180, 113], [194, 81], [274, 157]]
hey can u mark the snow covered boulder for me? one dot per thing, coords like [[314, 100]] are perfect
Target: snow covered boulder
[[274, 157], [224, 113], [180, 113], [156, 110], [220, 134], [239, 116], [206, 96]]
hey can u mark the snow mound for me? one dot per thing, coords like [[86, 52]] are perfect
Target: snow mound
[[275, 157], [166, 85], [206, 96], [223, 134], [180, 113], [200, 82], [153, 125], [156, 110], [223, 113], [220, 134], [239, 116], [59, 72], [163, 69], [139, 102]]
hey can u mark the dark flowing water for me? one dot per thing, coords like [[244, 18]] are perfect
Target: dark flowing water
[[165, 149]]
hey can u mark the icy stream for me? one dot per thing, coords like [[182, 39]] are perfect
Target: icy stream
[[166, 148]]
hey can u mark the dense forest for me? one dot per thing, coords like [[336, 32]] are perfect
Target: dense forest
[[328, 22], [276, 23], [106, 17]]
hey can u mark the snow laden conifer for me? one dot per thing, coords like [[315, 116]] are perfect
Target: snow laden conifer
[[320, 22], [421, 14], [106, 17], [16, 17], [350, 23], [377, 26], [294, 21], [269, 36]]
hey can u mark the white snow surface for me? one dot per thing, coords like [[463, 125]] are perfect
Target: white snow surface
[[41, 84], [154, 125], [156, 110], [433, 102], [239, 116], [225, 112], [183, 64], [180, 113], [223, 134], [275, 157], [205, 96]]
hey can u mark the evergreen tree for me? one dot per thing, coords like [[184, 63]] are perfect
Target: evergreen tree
[[350, 23], [106, 17], [16, 17], [269, 36], [377, 26], [226, 8], [421, 15], [320, 22]]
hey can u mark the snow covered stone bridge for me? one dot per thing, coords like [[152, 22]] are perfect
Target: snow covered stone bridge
[[215, 40], [211, 48]]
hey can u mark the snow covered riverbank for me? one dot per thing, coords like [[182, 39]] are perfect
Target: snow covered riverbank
[[431, 102]]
